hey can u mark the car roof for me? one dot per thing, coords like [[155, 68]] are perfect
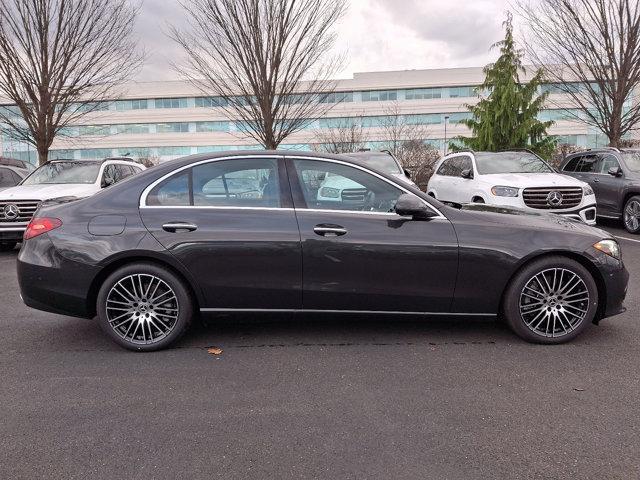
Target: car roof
[[19, 170]]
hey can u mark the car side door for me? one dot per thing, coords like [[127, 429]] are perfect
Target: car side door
[[609, 188], [231, 223], [358, 254], [450, 180]]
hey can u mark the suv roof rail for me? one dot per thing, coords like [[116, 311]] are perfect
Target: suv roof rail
[[605, 149], [528, 150], [462, 150]]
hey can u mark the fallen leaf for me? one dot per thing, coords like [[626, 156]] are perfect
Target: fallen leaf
[[214, 350], [579, 389]]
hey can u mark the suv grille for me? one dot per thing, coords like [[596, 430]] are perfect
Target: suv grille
[[18, 211], [354, 194], [552, 198]]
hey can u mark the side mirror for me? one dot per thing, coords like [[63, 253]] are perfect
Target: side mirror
[[407, 173], [412, 206], [467, 173], [615, 171]]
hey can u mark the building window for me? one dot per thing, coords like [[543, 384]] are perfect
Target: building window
[[132, 128], [171, 102], [424, 119], [122, 105], [174, 151], [462, 92], [175, 127], [423, 93], [458, 117], [220, 126], [208, 102], [379, 95], [336, 97]]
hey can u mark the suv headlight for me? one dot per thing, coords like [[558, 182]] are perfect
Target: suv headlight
[[500, 191], [610, 247], [329, 192], [587, 190]]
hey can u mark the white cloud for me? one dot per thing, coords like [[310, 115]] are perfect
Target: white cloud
[[376, 34]]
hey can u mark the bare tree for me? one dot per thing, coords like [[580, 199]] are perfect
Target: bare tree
[[420, 159], [591, 48], [561, 152], [402, 133], [58, 60], [348, 136], [254, 56]]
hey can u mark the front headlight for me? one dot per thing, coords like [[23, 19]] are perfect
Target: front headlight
[[329, 192], [610, 247], [500, 191], [587, 190]]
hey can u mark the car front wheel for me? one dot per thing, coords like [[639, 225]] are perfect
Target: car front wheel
[[551, 300], [144, 307], [631, 214]]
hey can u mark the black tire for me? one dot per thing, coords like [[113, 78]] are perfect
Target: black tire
[[176, 302], [525, 300], [631, 214], [7, 246]]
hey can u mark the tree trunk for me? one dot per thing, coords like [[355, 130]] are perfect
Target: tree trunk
[[43, 155]]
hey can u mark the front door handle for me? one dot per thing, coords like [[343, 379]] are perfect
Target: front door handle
[[173, 227], [328, 230]]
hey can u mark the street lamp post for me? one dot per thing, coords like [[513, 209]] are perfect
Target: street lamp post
[[446, 120]]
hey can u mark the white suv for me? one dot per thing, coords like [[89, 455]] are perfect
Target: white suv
[[518, 179], [55, 179]]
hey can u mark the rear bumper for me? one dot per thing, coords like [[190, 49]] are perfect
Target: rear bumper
[[53, 283]]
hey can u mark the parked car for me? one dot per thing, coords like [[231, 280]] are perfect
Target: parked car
[[14, 162], [338, 189], [383, 161], [147, 254], [11, 176], [614, 175], [57, 178], [518, 179]]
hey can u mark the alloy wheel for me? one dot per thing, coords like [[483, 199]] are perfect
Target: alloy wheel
[[142, 308], [632, 215], [554, 302]]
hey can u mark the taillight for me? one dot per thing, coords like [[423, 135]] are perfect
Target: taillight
[[38, 226]]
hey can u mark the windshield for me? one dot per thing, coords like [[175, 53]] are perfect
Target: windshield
[[632, 160], [510, 162], [64, 172], [384, 163]]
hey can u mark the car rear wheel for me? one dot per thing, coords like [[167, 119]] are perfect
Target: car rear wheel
[[551, 300], [7, 246], [144, 307], [631, 215]]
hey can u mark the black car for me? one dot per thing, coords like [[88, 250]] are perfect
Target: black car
[[149, 253], [614, 175]]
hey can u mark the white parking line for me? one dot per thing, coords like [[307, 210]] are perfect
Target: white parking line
[[629, 239]]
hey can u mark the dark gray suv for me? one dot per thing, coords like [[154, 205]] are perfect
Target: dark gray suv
[[614, 175]]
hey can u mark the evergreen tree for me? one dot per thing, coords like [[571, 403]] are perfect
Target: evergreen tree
[[507, 117]]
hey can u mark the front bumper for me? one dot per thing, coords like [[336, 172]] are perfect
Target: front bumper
[[12, 234], [615, 279], [585, 212]]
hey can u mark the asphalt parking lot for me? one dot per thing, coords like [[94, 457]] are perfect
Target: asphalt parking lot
[[319, 398]]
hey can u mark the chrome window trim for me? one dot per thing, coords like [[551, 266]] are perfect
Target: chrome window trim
[[147, 190], [370, 172]]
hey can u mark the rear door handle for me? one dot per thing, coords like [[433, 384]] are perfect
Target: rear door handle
[[173, 227], [596, 180], [327, 230]]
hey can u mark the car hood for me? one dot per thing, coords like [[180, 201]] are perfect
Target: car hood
[[46, 192], [535, 221], [526, 180]]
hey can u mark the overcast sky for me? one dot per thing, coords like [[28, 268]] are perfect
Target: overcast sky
[[375, 34]]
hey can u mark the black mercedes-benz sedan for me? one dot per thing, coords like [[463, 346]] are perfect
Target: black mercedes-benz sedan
[[304, 232]]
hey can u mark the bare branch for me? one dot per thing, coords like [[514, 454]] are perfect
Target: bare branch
[[58, 60], [260, 57], [591, 49]]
